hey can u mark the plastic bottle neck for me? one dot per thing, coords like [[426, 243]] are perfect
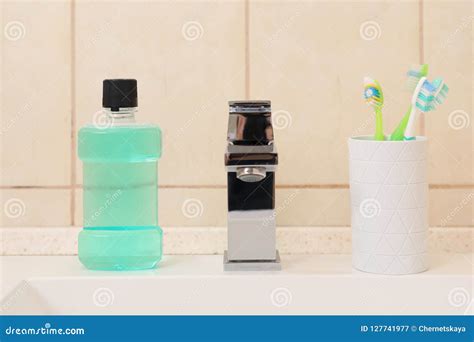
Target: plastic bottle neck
[[124, 116]]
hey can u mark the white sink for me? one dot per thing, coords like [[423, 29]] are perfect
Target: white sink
[[319, 284]]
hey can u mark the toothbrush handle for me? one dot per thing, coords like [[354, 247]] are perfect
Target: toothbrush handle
[[399, 132], [378, 125], [410, 129]]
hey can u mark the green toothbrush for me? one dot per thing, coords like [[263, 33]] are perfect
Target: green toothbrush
[[414, 76], [374, 97]]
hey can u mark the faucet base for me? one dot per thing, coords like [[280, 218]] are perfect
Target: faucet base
[[252, 265]]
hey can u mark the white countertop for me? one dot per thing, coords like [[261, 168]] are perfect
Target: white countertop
[[307, 284]]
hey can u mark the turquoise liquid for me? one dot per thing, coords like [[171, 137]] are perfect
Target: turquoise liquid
[[120, 202]]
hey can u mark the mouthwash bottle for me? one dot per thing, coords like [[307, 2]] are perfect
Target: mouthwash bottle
[[120, 163]]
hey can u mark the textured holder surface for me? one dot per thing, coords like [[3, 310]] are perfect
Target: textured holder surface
[[389, 205]]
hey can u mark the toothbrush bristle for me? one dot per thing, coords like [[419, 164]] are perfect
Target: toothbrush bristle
[[373, 92], [372, 96], [441, 90], [415, 73], [424, 106], [425, 100], [428, 88]]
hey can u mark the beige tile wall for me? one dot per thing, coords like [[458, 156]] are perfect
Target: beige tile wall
[[190, 58]]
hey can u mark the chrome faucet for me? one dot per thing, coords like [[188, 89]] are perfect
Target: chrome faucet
[[251, 159]]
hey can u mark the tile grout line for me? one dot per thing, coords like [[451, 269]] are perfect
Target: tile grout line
[[421, 53], [73, 114], [247, 48], [433, 186]]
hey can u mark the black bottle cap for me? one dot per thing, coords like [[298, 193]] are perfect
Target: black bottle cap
[[119, 93]]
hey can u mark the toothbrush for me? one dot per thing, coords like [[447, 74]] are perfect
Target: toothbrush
[[422, 100], [374, 97], [414, 75]]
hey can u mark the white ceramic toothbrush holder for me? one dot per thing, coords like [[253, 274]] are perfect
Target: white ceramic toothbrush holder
[[389, 204]]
